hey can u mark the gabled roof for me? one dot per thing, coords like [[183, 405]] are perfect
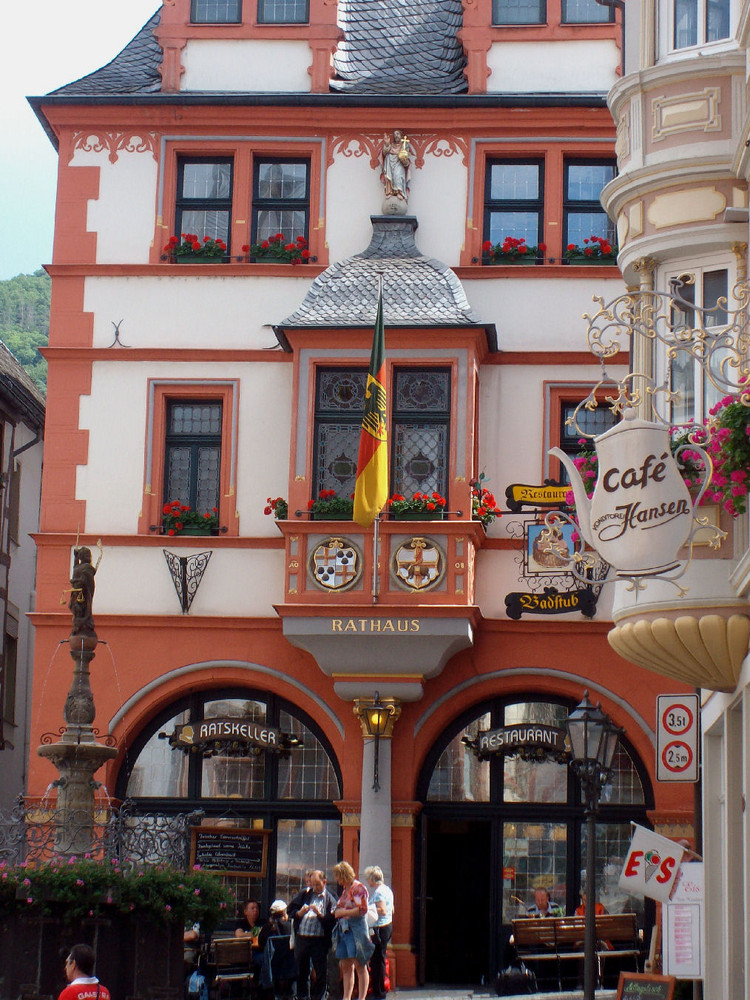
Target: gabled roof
[[391, 47], [418, 291], [134, 71], [19, 391], [400, 47]]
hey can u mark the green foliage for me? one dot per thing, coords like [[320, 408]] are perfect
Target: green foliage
[[85, 887], [24, 321]]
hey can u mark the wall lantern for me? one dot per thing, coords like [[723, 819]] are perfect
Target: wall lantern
[[377, 719], [593, 741]]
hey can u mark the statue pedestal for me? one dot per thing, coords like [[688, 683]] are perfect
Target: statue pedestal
[[393, 205]]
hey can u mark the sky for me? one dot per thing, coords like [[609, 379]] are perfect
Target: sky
[[43, 45]]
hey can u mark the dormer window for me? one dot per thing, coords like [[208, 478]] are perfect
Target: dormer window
[[283, 11], [216, 11]]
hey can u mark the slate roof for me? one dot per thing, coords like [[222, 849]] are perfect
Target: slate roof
[[391, 47], [418, 291], [400, 47], [133, 71]]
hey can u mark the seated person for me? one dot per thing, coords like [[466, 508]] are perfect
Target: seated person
[[543, 905], [250, 922], [599, 909]]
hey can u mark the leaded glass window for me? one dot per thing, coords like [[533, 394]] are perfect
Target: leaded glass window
[[283, 11], [216, 11], [585, 12], [290, 796], [192, 467], [420, 430], [281, 199], [339, 405], [204, 198], [514, 200], [519, 11], [583, 215]]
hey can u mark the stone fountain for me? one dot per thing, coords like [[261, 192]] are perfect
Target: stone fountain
[[77, 755]]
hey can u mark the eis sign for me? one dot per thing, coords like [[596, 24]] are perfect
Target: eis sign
[[640, 514]]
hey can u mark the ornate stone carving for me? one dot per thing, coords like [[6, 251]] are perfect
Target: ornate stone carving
[[116, 143]]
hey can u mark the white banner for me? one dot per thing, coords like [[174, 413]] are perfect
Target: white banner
[[651, 864]]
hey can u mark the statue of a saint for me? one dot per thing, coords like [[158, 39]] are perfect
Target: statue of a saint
[[395, 165], [82, 592]]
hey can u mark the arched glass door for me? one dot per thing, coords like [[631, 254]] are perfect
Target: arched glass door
[[494, 830]]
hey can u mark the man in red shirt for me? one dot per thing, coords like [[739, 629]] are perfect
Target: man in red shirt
[[79, 970]]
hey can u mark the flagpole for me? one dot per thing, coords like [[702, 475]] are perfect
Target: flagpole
[[375, 539]]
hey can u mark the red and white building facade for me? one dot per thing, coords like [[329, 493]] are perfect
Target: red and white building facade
[[223, 382]]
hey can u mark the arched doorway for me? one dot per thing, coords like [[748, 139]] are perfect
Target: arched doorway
[[290, 795], [493, 830]]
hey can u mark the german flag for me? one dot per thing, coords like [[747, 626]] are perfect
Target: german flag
[[371, 488]]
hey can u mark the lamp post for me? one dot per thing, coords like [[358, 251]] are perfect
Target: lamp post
[[376, 718], [593, 741]]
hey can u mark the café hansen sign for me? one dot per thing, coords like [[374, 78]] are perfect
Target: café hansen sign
[[641, 513]]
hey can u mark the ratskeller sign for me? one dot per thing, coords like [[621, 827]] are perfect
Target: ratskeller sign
[[227, 736]]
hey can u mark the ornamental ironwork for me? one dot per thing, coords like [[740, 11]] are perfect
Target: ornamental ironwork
[[187, 573], [528, 740]]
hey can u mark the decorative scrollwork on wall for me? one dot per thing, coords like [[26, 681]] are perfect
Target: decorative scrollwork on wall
[[187, 573], [358, 144], [116, 143]]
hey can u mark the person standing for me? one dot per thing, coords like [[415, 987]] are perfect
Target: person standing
[[311, 912], [79, 971], [353, 946], [382, 896]]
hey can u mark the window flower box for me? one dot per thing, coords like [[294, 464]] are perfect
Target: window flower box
[[191, 250], [421, 507], [180, 519], [512, 251], [595, 250], [276, 250]]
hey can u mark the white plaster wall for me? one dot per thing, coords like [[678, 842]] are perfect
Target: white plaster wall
[[123, 215], [182, 312], [136, 581], [115, 416], [586, 66], [442, 181], [246, 65], [540, 315], [354, 193]]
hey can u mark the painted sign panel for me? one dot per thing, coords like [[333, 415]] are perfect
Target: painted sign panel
[[519, 495], [677, 737], [230, 851], [642, 986], [551, 602], [682, 924]]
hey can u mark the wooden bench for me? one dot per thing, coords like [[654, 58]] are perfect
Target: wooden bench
[[559, 938]]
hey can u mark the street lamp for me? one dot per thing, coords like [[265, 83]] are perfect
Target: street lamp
[[593, 741], [377, 720]]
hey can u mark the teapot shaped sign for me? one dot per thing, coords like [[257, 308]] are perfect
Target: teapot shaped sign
[[640, 514]]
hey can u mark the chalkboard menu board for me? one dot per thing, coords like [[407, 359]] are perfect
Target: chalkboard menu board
[[230, 850], [640, 986]]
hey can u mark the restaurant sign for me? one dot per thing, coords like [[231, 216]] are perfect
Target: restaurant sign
[[529, 741], [520, 495], [229, 736]]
